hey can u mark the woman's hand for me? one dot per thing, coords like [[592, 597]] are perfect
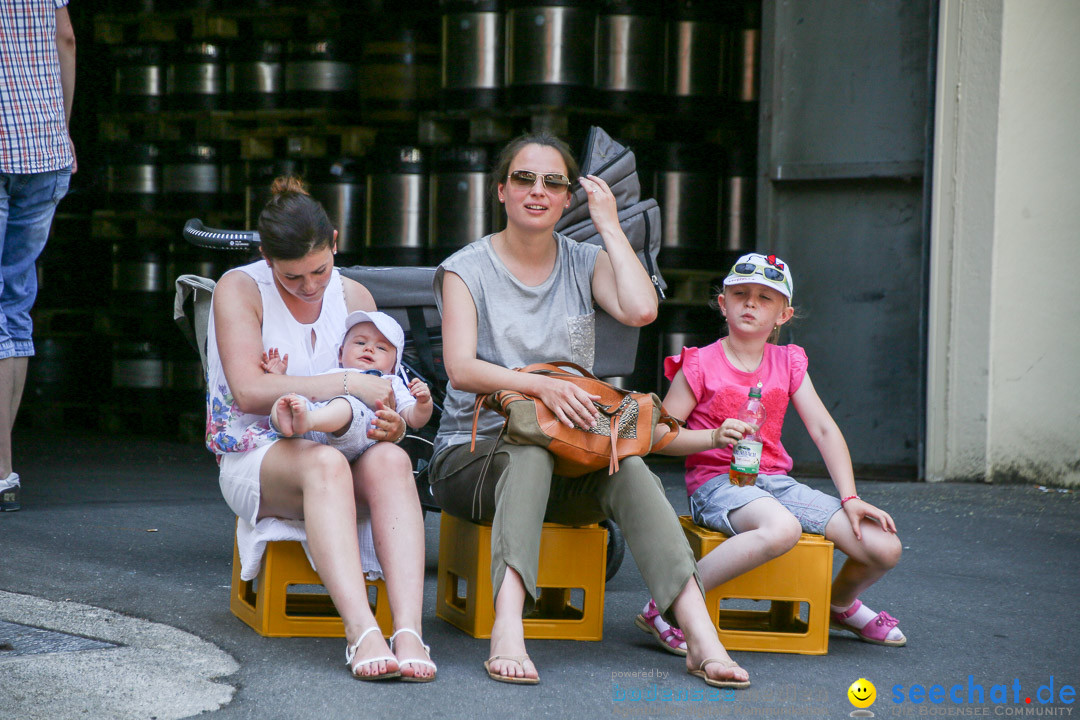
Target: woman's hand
[[602, 207], [371, 390], [857, 509], [571, 405], [388, 424], [730, 432]]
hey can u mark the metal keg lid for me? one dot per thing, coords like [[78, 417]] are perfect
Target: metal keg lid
[[400, 30], [687, 157], [192, 151], [461, 158], [325, 49], [537, 4], [263, 172], [398, 159], [631, 7], [248, 50], [129, 252], [196, 52], [447, 7], [132, 153], [700, 10], [336, 171], [137, 54], [131, 6]]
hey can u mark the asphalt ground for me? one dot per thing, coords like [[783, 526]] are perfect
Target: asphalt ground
[[126, 540]]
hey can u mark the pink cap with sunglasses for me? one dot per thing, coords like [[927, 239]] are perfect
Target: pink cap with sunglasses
[[767, 270]]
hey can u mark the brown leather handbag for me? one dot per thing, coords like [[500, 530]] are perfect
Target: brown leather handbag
[[626, 425]]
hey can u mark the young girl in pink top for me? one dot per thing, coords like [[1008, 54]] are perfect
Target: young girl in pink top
[[709, 386]]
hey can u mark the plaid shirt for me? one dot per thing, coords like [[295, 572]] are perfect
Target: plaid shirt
[[33, 129]]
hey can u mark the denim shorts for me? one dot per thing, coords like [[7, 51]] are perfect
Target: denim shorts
[[27, 205], [712, 502]]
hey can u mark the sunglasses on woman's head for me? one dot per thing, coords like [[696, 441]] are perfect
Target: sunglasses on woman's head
[[770, 273], [556, 182]]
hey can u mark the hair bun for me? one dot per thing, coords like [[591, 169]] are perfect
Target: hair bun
[[288, 184]]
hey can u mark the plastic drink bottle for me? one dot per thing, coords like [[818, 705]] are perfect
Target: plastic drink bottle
[[746, 455]]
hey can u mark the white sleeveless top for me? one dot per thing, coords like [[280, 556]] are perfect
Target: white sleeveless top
[[228, 429]]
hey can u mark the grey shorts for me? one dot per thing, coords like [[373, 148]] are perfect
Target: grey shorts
[[354, 441], [711, 503]]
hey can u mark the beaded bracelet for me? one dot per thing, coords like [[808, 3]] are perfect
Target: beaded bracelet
[[345, 382], [849, 497]]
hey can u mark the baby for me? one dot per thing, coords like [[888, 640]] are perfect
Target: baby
[[373, 343]]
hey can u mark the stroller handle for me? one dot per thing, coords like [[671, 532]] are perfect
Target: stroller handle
[[198, 234]]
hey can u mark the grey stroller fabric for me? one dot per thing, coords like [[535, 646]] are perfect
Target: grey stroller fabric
[[200, 290], [396, 290], [616, 344], [616, 165]]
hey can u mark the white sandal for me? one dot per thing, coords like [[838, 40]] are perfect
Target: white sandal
[[350, 653], [415, 661]]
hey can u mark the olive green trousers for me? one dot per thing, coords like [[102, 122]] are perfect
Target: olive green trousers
[[516, 492]]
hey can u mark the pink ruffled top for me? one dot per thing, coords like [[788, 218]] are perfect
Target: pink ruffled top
[[721, 390]]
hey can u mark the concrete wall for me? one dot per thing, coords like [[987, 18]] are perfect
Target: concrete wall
[[1004, 340]]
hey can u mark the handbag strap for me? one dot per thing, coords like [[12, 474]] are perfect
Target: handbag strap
[[673, 430], [558, 365], [613, 463]]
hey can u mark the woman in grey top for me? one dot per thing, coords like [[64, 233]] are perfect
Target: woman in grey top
[[526, 295]]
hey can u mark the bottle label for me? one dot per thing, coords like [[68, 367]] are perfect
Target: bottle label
[[746, 457]]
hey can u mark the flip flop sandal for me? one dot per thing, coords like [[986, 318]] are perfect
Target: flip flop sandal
[[415, 661], [350, 652], [700, 672], [876, 631], [669, 639], [520, 660]]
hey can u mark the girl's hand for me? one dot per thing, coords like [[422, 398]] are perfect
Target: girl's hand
[[602, 207], [419, 390], [730, 432], [571, 405], [857, 509], [388, 425], [274, 362]]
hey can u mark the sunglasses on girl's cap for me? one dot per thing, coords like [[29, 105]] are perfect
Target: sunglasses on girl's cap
[[769, 272], [556, 182]]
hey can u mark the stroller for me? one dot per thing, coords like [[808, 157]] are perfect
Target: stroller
[[406, 294]]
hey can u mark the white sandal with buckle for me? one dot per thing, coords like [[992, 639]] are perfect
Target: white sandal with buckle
[[350, 653], [415, 661]]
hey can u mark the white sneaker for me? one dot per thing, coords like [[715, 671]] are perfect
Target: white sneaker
[[9, 493], [10, 481]]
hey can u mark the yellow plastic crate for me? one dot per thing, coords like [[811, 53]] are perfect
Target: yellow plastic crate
[[271, 609], [801, 575], [571, 558]]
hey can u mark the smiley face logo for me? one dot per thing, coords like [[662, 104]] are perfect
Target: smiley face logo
[[862, 693]]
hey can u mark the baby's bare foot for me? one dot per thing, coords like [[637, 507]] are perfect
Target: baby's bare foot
[[282, 416], [301, 419]]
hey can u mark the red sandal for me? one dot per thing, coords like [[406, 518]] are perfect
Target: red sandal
[[670, 638]]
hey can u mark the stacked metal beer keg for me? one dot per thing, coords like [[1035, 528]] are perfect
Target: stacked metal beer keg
[[392, 115]]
